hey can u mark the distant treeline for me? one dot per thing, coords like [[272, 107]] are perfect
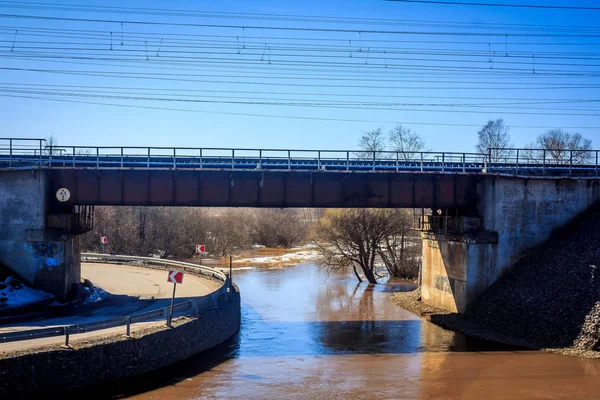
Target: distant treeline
[[174, 231]]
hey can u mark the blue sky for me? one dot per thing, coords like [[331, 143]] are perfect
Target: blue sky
[[204, 61]]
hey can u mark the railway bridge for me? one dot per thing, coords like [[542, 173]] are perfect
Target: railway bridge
[[486, 208]]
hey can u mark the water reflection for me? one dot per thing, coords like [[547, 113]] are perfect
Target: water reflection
[[308, 335]]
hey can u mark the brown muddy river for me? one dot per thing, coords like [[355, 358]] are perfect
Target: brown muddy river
[[307, 335]]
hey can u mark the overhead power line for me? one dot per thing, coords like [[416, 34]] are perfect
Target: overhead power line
[[295, 29], [520, 5], [183, 78], [272, 16], [288, 116]]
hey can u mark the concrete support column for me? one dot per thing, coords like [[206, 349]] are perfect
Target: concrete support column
[[456, 268], [39, 253]]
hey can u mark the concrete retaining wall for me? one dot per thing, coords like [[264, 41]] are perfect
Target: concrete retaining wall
[[518, 214], [525, 212], [62, 369]]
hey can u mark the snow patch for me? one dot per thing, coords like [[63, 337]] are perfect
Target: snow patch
[[299, 256], [14, 294]]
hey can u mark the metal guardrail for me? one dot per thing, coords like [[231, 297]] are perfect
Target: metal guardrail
[[197, 305], [449, 224], [183, 266], [564, 162], [17, 156], [35, 153]]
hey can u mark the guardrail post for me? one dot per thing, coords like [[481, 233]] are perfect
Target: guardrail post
[[570, 162], [517, 164], [596, 162], [347, 161], [260, 159], [148, 162], [464, 163], [201, 159], [397, 155], [73, 156], [544, 163], [443, 161], [10, 152], [289, 160], [66, 330], [421, 161], [128, 322], [174, 158], [121, 157], [97, 157], [232, 158], [51, 150], [41, 153], [374, 161]]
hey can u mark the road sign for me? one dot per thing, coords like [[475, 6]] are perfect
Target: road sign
[[200, 248], [63, 195], [175, 277], [103, 239]]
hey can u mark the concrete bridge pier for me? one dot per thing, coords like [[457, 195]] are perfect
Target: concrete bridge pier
[[466, 251], [39, 244]]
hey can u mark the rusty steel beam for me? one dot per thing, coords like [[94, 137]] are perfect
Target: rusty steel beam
[[226, 188]]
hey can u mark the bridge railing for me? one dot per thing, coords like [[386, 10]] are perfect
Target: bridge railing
[[31, 153], [227, 158], [195, 305], [528, 161], [12, 148]]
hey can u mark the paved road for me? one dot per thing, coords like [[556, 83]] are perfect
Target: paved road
[[127, 289]]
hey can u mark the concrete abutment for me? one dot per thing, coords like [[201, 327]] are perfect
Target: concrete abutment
[[462, 259], [37, 245]]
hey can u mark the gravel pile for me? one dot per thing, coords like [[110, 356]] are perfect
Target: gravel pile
[[551, 297]]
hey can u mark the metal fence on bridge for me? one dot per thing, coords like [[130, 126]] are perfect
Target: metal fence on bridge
[[32, 153]]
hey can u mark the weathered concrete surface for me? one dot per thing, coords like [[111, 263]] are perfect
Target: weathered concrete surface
[[525, 212], [454, 268], [46, 259], [518, 214], [56, 369]]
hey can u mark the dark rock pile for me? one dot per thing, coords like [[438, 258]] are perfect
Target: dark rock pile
[[551, 296]]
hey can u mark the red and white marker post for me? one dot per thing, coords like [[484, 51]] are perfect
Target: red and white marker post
[[175, 277], [103, 241], [200, 249]]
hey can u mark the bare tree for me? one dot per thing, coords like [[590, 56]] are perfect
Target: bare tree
[[560, 146], [401, 251], [405, 141], [352, 239], [50, 148], [494, 139], [372, 142]]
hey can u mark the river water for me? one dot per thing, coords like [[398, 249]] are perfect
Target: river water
[[308, 335]]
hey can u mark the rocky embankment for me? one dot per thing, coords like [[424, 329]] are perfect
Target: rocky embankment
[[550, 299]]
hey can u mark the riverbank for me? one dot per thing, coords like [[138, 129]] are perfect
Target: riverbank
[[269, 257], [411, 301]]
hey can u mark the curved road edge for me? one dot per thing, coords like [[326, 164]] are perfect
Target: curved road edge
[[99, 360]]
